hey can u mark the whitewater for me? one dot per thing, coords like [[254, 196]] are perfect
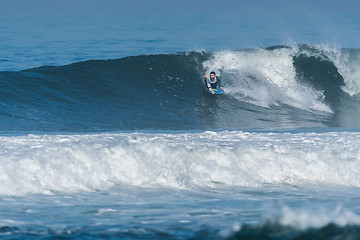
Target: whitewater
[[116, 137], [70, 163]]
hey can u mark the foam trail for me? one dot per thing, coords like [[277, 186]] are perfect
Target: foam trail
[[43, 164]]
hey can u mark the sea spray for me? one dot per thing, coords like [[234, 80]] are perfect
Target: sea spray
[[266, 78]]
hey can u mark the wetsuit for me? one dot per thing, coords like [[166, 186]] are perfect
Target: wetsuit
[[212, 83]]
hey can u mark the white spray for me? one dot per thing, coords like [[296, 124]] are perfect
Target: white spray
[[265, 78]]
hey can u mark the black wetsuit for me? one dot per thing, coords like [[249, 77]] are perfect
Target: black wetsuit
[[212, 83]]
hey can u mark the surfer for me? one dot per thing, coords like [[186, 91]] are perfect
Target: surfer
[[212, 82]]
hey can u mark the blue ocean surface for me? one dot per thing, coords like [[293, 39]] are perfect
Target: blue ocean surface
[[107, 130]]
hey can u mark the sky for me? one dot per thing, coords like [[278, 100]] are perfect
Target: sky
[[191, 6]]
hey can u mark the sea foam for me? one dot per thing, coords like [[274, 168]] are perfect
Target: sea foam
[[68, 163], [265, 78]]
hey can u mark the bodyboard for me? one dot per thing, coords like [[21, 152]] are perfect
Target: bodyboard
[[216, 90]]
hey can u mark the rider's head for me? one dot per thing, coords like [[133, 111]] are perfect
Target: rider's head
[[212, 74]]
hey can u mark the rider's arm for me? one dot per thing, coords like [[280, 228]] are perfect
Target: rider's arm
[[207, 83]]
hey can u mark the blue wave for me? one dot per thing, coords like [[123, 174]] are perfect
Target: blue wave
[[277, 87]]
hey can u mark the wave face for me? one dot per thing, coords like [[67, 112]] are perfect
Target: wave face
[[277, 87]]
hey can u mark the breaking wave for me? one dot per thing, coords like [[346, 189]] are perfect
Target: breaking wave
[[276, 87], [69, 163]]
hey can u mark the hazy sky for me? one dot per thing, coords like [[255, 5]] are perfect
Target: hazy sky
[[193, 6]]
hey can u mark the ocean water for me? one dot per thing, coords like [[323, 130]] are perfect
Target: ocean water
[[107, 131]]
